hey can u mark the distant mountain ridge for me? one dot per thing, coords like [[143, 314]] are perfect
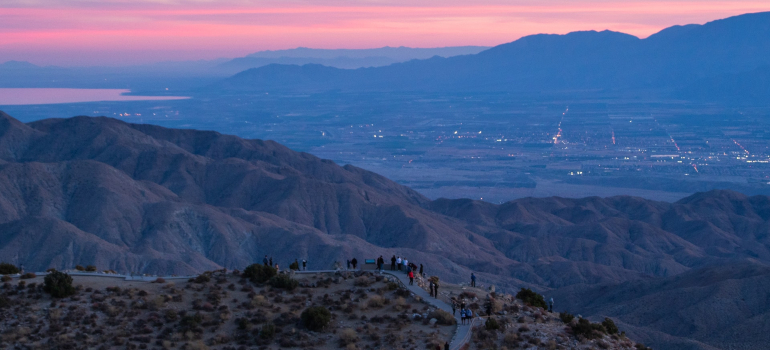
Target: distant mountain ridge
[[671, 59]]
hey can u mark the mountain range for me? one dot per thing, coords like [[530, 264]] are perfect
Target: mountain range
[[680, 61], [146, 199]]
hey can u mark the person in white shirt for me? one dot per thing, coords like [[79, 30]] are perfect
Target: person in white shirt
[[405, 265], [398, 263]]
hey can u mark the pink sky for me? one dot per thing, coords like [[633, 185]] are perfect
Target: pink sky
[[117, 32]]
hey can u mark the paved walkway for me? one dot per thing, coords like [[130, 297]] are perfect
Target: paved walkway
[[462, 333]]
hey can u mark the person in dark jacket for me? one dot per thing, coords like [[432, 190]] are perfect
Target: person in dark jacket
[[446, 345], [435, 290], [380, 263], [473, 279], [421, 273], [354, 262], [431, 288], [265, 261], [304, 264], [271, 261], [393, 263]]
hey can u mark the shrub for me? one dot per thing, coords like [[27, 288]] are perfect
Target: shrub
[[284, 282], [90, 268], [531, 298], [202, 278], [316, 318], [443, 317], [58, 284], [610, 326], [4, 302], [348, 336], [362, 281], [375, 301], [6, 279], [80, 268], [467, 295], [28, 275], [491, 324], [294, 266], [267, 331], [587, 329], [566, 317], [8, 269], [259, 273]]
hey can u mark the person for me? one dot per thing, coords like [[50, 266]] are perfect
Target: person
[[393, 263], [435, 290], [488, 306], [462, 305], [454, 307], [411, 278], [354, 262], [462, 315], [473, 279], [380, 262], [421, 273], [398, 262], [469, 315], [550, 305], [430, 285], [348, 264], [276, 268], [446, 345], [264, 261], [405, 263], [296, 262], [271, 261], [304, 265]]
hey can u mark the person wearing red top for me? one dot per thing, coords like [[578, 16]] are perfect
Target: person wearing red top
[[411, 278]]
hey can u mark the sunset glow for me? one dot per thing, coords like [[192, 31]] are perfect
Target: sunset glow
[[72, 32]]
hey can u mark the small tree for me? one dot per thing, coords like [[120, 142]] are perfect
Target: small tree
[[8, 269], [259, 273], [610, 326], [59, 284], [316, 318], [294, 266], [284, 282], [566, 317], [531, 298], [90, 268], [80, 268]]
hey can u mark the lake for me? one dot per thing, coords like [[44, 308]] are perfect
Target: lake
[[39, 96]]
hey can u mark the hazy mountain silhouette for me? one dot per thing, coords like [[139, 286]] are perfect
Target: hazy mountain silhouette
[[607, 61]]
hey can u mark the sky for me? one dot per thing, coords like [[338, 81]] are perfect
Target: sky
[[122, 32]]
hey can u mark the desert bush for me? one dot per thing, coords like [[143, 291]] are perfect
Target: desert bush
[[566, 317], [284, 282], [491, 324], [443, 317], [587, 329], [294, 266], [610, 326], [202, 278], [28, 275], [511, 340], [6, 279], [90, 268], [375, 302], [8, 269], [4, 302], [348, 336], [362, 281], [316, 318], [80, 268], [531, 298], [391, 286], [159, 280], [170, 315], [58, 284], [467, 295], [259, 273], [640, 346], [267, 331]]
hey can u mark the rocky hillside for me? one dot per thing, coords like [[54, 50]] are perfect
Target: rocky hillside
[[141, 198]]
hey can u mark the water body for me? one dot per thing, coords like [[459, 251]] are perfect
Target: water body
[[40, 96]]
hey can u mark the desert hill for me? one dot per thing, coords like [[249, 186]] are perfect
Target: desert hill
[[145, 199]]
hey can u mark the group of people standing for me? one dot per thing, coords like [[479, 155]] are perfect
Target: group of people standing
[[466, 314], [269, 262]]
